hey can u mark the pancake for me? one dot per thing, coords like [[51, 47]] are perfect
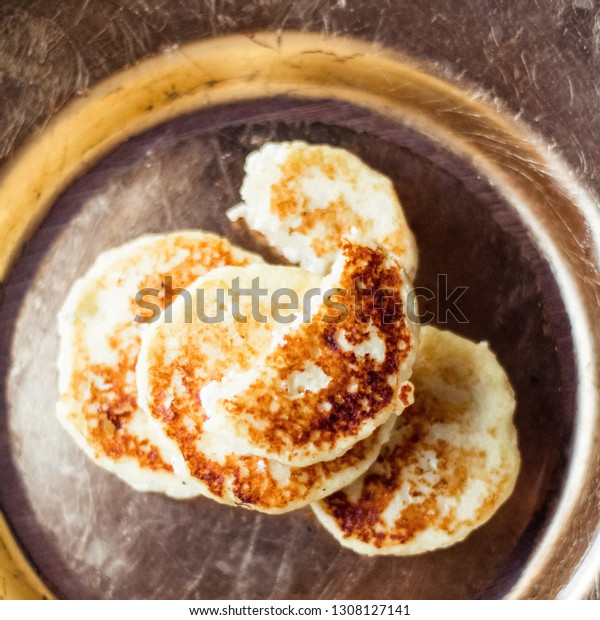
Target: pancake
[[179, 358], [328, 382], [451, 462], [99, 346], [302, 198]]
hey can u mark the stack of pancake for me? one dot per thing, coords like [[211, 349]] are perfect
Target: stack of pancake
[[191, 367]]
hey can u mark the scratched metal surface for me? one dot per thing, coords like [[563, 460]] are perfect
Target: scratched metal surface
[[91, 536], [541, 60]]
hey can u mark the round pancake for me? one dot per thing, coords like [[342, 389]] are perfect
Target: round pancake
[[179, 358], [328, 382], [99, 346], [302, 198], [451, 462]]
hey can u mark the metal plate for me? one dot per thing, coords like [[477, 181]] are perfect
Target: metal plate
[[91, 536], [77, 524]]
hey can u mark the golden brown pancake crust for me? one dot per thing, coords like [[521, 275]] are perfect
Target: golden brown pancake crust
[[101, 399], [286, 167], [179, 359], [287, 200], [448, 465], [108, 411], [360, 391], [238, 479]]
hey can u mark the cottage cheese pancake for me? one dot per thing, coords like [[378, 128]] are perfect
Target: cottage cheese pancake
[[451, 462], [179, 358], [99, 346], [329, 382], [302, 198]]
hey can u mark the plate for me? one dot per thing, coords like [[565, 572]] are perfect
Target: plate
[[164, 146]]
